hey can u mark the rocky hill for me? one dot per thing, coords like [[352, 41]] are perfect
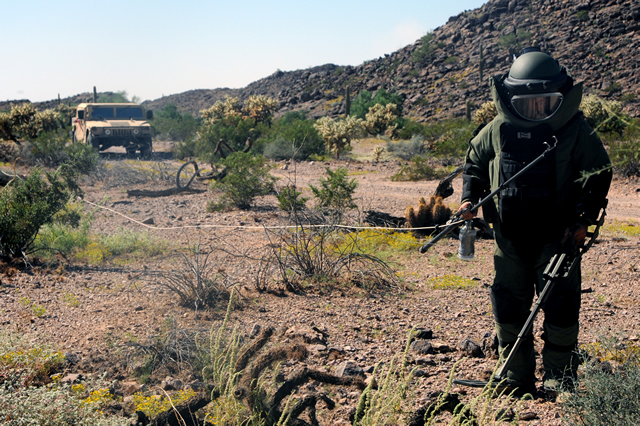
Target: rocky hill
[[597, 40]]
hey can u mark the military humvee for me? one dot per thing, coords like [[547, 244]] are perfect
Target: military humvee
[[105, 125]]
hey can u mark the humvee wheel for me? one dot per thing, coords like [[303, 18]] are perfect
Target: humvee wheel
[[93, 142]]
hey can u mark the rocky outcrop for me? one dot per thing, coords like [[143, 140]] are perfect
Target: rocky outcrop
[[437, 75]]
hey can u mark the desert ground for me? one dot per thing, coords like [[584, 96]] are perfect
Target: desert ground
[[124, 303]]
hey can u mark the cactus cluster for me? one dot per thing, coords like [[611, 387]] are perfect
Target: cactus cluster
[[380, 119], [603, 115], [338, 133], [226, 110], [24, 121], [260, 108], [270, 408], [485, 113], [427, 214]]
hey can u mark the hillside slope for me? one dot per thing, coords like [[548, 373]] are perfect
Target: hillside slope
[[597, 40]]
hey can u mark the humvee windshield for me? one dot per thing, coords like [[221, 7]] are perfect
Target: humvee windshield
[[129, 113], [104, 112]]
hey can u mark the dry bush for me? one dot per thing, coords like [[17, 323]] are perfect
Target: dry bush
[[317, 251], [197, 280]]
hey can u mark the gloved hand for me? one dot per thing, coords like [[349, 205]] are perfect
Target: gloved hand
[[467, 215], [579, 231]]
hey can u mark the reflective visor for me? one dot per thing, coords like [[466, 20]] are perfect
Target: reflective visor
[[537, 107]]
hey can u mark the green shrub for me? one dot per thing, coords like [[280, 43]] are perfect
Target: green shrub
[[625, 157], [409, 128], [582, 15], [171, 125], [52, 149], [427, 48], [289, 199], [406, 150], [362, 103], [603, 115], [118, 97], [247, 177], [606, 393], [26, 205], [418, 169], [335, 194], [291, 136]]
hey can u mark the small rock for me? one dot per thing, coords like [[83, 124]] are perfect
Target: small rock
[[421, 347], [129, 388], [470, 348], [420, 373], [170, 383], [255, 330], [71, 358], [262, 309], [138, 308], [369, 369], [527, 416], [195, 385], [72, 378], [428, 360], [349, 368], [422, 333], [148, 221], [317, 348]]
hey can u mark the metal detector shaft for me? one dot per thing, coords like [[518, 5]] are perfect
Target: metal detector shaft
[[454, 222]]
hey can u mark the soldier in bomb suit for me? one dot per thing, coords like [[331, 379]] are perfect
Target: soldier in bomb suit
[[538, 106]]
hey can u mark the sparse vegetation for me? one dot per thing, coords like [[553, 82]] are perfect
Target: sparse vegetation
[[247, 177], [290, 200], [406, 150], [451, 282], [608, 390], [418, 169], [335, 193]]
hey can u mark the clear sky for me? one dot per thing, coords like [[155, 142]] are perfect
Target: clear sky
[[155, 48]]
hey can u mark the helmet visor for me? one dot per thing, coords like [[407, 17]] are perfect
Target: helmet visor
[[537, 107]]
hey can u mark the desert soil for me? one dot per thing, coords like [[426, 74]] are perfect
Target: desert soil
[[120, 303]]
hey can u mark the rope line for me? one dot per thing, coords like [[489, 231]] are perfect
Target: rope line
[[171, 228]]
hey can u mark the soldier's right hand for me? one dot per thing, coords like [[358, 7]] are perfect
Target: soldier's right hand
[[466, 215]]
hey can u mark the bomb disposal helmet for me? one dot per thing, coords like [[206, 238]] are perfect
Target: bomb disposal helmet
[[535, 85]]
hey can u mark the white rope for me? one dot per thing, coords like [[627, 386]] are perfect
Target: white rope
[[171, 228]]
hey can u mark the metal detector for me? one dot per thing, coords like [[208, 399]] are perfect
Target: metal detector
[[560, 266], [455, 220]]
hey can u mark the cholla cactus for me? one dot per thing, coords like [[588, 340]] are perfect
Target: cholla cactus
[[337, 134], [377, 152], [23, 120], [46, 120], [261, 108], [226, 110], [6, 130], [485, 113], [603, 115], [379, 118]]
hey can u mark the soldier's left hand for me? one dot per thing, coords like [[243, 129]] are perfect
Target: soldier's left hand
[[579, 230]]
